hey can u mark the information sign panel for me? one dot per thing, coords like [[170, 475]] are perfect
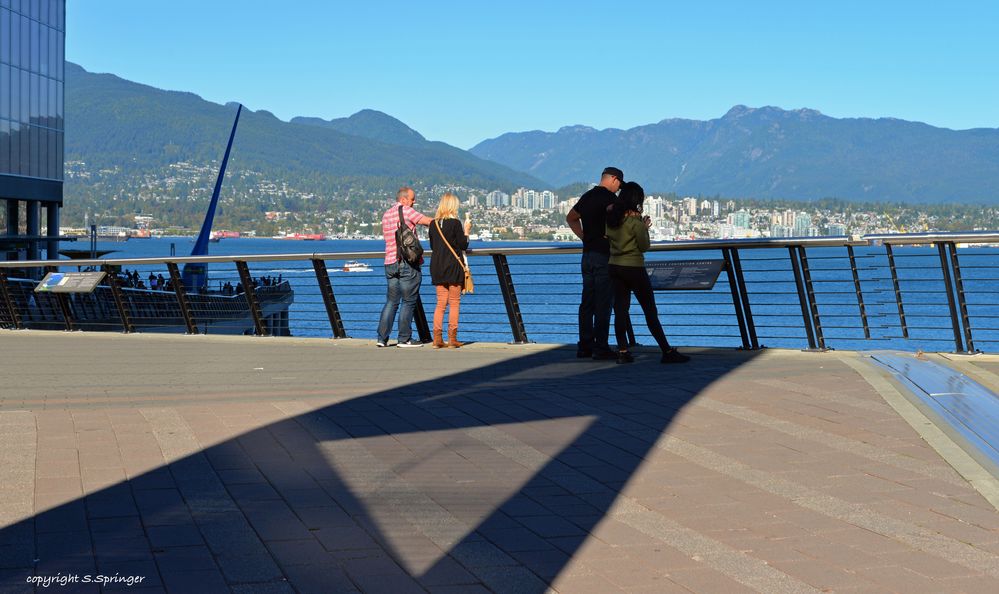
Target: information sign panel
[[69, 282], [684, 275]]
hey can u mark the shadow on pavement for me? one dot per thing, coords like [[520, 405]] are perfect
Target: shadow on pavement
[[491, 478]]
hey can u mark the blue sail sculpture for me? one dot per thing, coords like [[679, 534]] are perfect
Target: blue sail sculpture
[[196, 274]]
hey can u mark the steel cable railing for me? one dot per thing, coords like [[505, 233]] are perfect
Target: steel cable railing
[[895, 291]]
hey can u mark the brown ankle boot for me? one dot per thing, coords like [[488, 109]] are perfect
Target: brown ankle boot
[[452, 338], [439, 338]]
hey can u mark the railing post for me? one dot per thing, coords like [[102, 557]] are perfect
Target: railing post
[[510, 299], [949, 288], [251, 298], [859, 290], [740, 279], [802, 300], [63, 300], [329, 299], [962, 302], [813, 304], [15, 317], [736, 301], [420, 319], [898, 290], [182, 303], [119, 301]]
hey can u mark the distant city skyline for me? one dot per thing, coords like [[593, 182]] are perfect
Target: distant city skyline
[[462, 73]]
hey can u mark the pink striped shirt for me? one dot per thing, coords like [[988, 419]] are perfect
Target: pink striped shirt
[[390, 222]]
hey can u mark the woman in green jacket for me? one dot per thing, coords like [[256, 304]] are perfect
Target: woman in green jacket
[[628, 233]]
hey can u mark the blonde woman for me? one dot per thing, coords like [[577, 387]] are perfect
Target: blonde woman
[[447, 271]]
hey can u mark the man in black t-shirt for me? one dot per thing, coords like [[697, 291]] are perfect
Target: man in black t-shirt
[[588, 220]]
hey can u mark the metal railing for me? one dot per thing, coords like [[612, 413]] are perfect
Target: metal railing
[[905, 291]]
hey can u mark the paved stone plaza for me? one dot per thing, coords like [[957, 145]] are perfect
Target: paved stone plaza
[[217, 464]]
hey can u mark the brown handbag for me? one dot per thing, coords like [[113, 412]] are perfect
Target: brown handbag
[[469, 286]]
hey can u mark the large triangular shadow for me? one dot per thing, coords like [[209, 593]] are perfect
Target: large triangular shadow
[[494, 476]]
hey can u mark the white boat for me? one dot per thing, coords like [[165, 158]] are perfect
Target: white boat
[[355, 266]]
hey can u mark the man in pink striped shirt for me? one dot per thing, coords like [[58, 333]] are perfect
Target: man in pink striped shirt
[[403, 279]]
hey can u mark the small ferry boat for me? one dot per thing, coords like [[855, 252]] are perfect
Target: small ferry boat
[[355, 266], [302, 236]]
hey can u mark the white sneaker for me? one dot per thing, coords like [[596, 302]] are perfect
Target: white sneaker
[[409, 344], [381, 343]]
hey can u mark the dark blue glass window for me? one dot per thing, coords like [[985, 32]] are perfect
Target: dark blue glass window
[[15, 40], [15, 148], [33, 96], [4, 146], [4, 91], [43, 50], [15, 94], [36, 53], [25, 42], [25, 101], [4, 35], [25, 142]]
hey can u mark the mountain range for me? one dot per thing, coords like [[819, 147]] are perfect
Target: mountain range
[[769, 153], [762, 152], [112, 122]]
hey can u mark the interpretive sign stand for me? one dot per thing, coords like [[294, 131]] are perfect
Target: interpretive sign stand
[[684, 275], [70, 282]]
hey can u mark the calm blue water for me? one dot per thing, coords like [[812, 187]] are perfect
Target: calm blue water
[[548, 288]]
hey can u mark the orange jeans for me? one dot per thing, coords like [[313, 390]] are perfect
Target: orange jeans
[[447, 295]]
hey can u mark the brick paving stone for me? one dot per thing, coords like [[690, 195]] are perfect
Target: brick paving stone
[[243, 567], [175, 536], [320, 579], [706, 580], [263, 588], [462, 589], [289, 553], [344, 538], [446, 571], [184, 559], [324, 517], [208, 581], [899, 579], [252, 492], [589, 584], [147, 570], [273, 520]]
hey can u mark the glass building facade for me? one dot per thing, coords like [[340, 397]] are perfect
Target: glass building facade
[[32, 72]]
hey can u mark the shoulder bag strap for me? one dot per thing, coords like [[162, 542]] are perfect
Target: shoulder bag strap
[[448, 244]]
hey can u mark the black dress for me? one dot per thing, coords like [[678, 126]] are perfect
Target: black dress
[[444, 268]]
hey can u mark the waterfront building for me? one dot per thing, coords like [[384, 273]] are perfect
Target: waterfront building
[[740, 219], [802, 224], [836, 229], [32, 71], [497, 198]]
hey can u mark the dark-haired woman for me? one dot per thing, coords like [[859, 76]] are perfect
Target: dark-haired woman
[[628, 233]]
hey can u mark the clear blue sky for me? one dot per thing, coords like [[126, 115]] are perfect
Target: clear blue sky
[[465, 71]]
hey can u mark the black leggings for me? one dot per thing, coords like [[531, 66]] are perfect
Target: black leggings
[[634, 279]]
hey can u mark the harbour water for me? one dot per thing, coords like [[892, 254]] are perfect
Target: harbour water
[[547, 288]]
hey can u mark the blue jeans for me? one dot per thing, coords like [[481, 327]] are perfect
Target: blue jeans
[[595, 304], [403, 285]]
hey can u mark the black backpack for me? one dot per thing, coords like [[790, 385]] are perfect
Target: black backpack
[[407, 243]]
